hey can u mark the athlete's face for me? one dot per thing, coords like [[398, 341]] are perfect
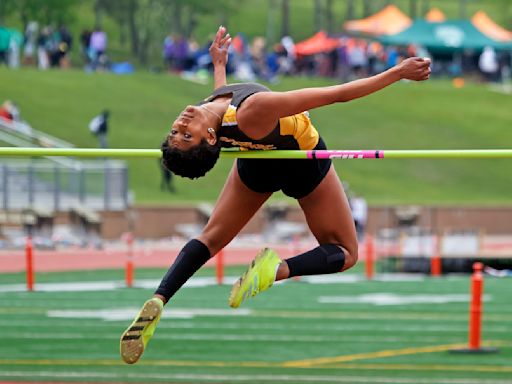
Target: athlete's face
[[189, 128]]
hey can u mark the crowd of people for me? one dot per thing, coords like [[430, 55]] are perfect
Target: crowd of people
[[352, 58], [50, 47], [249, 60], [47, 46]]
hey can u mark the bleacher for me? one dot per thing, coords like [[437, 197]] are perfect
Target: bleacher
[[80, 188]]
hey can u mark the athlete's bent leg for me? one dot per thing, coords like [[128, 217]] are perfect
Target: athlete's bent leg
[[328, 215], [235, 207], [330, 220]]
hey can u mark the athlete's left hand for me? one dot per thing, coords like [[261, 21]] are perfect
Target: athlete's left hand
[[219, 48]]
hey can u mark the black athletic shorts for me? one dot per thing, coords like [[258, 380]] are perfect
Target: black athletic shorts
[[295, 177]]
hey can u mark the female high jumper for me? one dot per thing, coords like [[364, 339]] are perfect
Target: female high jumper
[[250, 116]]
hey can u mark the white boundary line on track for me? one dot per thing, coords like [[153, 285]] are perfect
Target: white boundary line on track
[[261, 326], [249, 378], [195, 282], [235, 338]]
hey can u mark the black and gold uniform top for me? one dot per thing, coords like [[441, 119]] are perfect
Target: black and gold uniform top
[[291, 132]]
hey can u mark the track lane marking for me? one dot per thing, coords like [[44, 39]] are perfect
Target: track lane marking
[[310, 363], [225, 378]]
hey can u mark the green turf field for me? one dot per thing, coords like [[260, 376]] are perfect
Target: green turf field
[[283, 336], [430, 115]]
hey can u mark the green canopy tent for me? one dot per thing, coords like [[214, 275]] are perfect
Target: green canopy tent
[[5, 37], [445, 37]]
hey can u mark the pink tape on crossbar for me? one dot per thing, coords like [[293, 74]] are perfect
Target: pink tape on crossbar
[[334, 154]]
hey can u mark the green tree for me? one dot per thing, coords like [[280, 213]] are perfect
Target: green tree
[[350, 13], [329, 16], [45, 12], [7, 7], [463, 9], [367, 8], [318, 14], [426, 7], [123, 12], [48, 11], [285, 17], [413, 8]]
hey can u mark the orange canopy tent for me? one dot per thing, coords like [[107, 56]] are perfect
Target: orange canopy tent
[[435, 15], [317, 43], [388, 21], [489, 28]]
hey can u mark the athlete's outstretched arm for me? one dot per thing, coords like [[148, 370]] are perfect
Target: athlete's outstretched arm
[[274, 105], [219, 54]]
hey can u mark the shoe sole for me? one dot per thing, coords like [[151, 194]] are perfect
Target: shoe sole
[[132, 344]]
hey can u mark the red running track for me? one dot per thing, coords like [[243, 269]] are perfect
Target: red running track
[[92, 259]]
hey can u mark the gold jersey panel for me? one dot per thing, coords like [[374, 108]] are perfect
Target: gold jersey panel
[[291, 132]]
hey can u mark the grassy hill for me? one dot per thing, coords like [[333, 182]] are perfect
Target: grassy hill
[[431, 115]]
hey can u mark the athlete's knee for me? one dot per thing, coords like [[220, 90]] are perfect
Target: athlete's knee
[[351, 255]]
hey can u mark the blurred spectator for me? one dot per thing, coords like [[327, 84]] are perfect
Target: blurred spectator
[[176, 53], [167, 179], [180, 53], [97, 49], [504, 62], [357, 59], [99, 127], [258, 57], [64, 47], [192, 54], [43, 61], [52, 47], [85, 42], [9, 111], [275, 60], [242, 59], [30, 42], [5, 38], [360, 214], [343, 63], [488, 64], [15, 43], [393, 57], [168, 52], [498, 272], [286, 64]]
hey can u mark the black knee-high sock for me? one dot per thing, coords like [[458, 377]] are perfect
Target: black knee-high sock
[[327, 258], [192, 257]]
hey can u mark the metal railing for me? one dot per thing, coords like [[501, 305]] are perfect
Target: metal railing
[[94, 184]]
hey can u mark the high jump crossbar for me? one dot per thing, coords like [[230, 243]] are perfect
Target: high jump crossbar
[[269, 154]]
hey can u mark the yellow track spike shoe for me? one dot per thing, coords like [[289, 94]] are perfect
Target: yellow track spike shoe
[[260, 276], [135, 339]]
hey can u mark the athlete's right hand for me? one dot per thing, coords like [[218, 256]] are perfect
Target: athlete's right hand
[[219, 48], [414, 68]]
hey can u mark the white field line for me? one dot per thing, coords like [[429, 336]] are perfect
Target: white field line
[[231, 337], [195, 282], [197, 378], [90, 286], [325, 327], [257, 326], [389, 298]]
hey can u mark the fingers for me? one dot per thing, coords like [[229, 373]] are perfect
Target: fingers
[[226, 41], [421, 62], [220, 38], [425, 74]]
